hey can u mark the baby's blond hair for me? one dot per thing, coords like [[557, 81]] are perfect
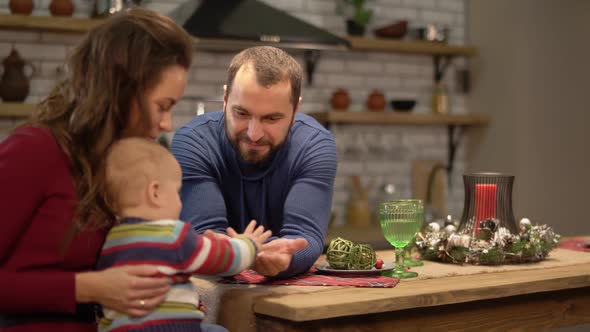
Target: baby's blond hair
[[131, 164]]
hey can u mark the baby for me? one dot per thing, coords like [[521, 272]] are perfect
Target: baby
[[142, 184]]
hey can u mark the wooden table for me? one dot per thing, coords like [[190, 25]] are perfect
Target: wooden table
[[553, 293]]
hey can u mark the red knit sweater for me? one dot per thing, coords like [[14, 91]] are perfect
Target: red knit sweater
[[37, 198]]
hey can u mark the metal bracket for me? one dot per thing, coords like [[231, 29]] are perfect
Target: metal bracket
[[441, 63], [454, 138], [440, 66], [311, 58]]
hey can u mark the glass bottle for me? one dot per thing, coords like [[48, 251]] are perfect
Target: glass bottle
[[440, 98]]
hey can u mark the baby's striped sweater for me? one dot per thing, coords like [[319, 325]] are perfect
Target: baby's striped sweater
[[178, 251]]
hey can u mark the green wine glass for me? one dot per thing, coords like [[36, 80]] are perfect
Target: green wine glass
[[400, 221], [409, 259]]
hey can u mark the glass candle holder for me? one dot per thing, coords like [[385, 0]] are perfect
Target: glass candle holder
[[487, 196]]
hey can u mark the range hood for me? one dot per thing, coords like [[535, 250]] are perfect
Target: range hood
[[237, 24]]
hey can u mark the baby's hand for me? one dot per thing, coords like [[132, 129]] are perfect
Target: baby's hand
[[256, 234]]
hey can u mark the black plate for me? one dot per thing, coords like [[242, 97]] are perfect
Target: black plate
[[326, 269]]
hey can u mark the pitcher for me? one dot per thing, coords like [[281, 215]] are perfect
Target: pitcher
[[14, 84]]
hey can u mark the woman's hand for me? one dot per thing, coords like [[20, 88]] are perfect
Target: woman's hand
[[132, 290]]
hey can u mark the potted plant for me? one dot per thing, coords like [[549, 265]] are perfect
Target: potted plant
[[357, 16]]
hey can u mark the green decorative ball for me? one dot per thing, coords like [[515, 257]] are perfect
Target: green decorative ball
[[338, 253], [362, 257]]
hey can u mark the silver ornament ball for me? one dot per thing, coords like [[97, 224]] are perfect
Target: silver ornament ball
[[525, 225], [435, 227], [449, 229]]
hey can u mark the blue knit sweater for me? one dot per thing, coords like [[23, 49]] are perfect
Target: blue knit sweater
[[291, 195]]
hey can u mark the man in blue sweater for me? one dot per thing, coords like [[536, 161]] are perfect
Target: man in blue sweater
[[260, 159]]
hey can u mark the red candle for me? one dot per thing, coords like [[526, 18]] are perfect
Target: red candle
[[485, 203]]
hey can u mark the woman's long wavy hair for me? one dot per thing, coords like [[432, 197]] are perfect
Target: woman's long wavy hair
[[117, 62]]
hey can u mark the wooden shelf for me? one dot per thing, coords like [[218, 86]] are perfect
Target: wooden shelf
[[81, 25], [409, 46], [48, 23], [16, 110], [394, 118]]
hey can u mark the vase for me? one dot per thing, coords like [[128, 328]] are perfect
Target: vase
[[354, 29], [340, 100], [488, 197], [376, 101], [21, 7], [14, 83], [61, 7]]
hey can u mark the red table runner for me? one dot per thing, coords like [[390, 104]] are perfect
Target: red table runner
[[577, 244], [312, 278]]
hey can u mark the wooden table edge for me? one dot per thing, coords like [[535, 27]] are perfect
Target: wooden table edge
[[418, 293]]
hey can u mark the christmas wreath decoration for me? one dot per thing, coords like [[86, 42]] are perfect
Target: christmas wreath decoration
[[492, 245]]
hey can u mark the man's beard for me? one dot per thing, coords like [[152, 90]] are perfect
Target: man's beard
[[253, 156]]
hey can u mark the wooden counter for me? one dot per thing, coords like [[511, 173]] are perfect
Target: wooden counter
[[553, 293]]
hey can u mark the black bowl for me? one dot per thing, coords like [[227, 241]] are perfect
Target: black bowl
[[403, 105]]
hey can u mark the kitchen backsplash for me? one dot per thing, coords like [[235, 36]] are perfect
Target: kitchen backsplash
[[382, 153]]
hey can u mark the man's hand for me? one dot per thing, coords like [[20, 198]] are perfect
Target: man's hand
[[275, 256]]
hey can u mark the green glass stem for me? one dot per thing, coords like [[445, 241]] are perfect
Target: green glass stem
[[400, 254], [400, 270], [409, 260]]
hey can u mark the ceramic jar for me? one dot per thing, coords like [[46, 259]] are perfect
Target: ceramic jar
[[21, 7], [61, 7], [376, 101], [340, 100], [14, 83]]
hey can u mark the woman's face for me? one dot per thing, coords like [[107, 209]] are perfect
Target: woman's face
[[159, 103]]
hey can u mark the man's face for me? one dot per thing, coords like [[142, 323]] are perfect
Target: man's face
[[257, 119]]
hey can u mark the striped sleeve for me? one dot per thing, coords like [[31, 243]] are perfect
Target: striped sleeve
[[215, 256]]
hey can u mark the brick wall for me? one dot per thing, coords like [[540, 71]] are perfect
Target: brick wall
[[379, 153]]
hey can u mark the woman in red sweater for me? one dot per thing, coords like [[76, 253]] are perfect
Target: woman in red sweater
[[122, 80]]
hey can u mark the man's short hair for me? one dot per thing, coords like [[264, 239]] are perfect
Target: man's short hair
[[271, 65]]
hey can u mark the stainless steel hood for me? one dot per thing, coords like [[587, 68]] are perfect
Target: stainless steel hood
[[236, 24]]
